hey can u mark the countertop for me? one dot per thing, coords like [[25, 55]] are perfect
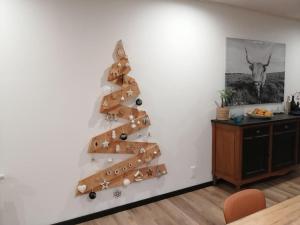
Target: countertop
[[252, 121]]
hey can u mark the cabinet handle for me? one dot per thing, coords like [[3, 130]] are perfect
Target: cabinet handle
[[258, 131]]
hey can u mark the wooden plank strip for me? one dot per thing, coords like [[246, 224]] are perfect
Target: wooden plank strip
[[110, 173], [114, 99], [97, 142], [119, 69], [146, 173], [133, 175], [124, 147], [125, 112]]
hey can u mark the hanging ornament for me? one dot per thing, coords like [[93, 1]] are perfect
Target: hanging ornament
[[118, 148], [119, 64], [160, 173], [149, 172], [133, 126], [115, 118], [114, 72], [131, 117], [126, 182], [123, 136], [138, 102], [81, 188], [138, 176], [146, 120], [92, 195], [129, 92], [138, 122], [105, 144], [122, 98], [105, 104], [142, 150], [113, 134], [104, 184], [117, 193], [139, 161]]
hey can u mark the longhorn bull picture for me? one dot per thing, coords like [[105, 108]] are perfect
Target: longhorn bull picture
[[259, 74], [255, 71]]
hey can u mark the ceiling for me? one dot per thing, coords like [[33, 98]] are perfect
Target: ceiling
[[284, 8]]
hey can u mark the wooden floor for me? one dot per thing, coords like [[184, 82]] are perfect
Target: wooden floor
[[202, 206]]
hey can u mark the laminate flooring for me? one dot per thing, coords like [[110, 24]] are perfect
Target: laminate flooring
[[201, 207]]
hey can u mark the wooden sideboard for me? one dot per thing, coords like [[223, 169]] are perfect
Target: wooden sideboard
[[255, 149]]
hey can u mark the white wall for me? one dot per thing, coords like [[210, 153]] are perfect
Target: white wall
[[53, 57]]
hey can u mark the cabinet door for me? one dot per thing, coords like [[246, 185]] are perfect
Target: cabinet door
[[284, 146], [255, 151]]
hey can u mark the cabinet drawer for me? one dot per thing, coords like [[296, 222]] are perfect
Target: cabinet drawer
[[256, 131], [292, 126]]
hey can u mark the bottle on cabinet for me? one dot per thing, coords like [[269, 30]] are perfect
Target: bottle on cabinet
[[293, 104]]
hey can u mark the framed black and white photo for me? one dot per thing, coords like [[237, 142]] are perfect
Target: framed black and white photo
[[255, 71]]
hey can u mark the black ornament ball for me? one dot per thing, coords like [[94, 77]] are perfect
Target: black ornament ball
[[139, 101], [92, 195], [123, 136]]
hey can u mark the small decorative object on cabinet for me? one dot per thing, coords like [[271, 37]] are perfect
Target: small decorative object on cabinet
[[287, 106], [255, 149], [135, 168], [237, 119], [294, 104], [223, 111], [260, 113]]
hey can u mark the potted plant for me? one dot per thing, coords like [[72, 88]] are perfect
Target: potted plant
[[223, 110]]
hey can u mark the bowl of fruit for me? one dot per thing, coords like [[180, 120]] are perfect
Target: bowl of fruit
[[260, 114]]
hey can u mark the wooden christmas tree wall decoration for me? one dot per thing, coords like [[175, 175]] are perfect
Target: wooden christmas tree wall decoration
[[136, 168]]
